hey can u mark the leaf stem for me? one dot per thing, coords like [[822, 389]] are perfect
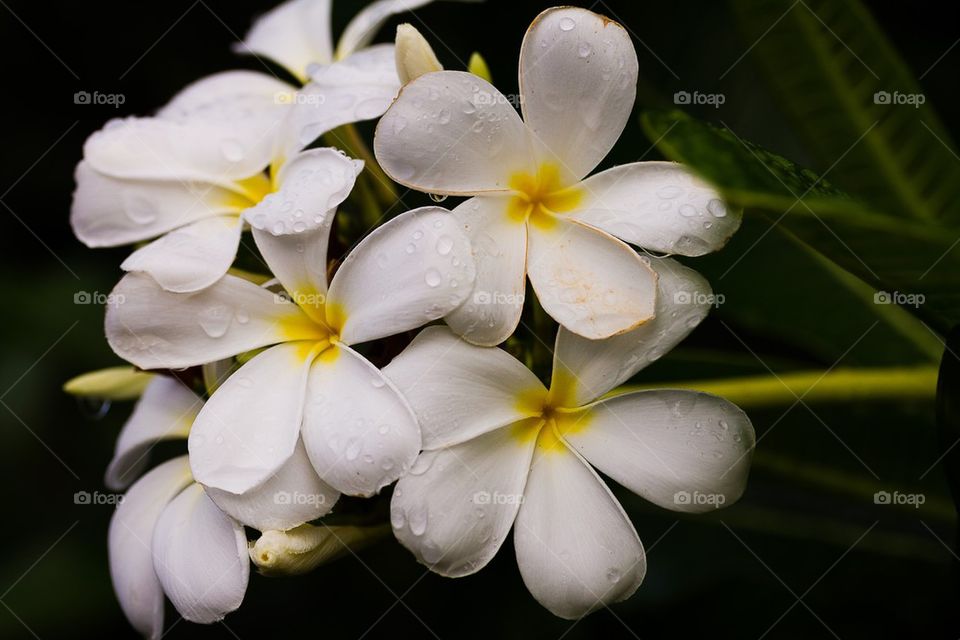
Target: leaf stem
[[819, 387]]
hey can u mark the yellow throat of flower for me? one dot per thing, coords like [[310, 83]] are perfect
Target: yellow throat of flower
[[539, 197]]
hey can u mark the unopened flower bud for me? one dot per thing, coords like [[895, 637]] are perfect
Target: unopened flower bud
[[414, 55], [304, 548]]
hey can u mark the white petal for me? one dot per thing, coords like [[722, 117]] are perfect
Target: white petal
[[288, 499], [250, 426], [576, 548], [578, 80], [584, 370], [292, 226], [200, 556], [682, 450], [359, 432], [165, 411], [452, 132], [358, 88], [156, 329], [186, 151], [232, 95], [293, 34], [409, 271], [588, 281], [460, 391], [659, 206], [108, 211], [455, 507], [192, 257], [362, 28], [129, 543], [491, 313]]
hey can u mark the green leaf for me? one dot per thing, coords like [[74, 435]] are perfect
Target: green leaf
[[896, 255], [856, 103]]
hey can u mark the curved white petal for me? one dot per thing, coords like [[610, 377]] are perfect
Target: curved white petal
[[219, 153], [578, 80], [576, 548], [584, 370], [359, 432], [660, 206], [362, 28], [460, 391], [229, 95], [250, 426], [129, 543], [491, 313], [292, 226], [165, 411], [407, 272], [192, 257], [591, 283], [358, 88], [452, 132], [288, 499], [156, 329], [293, 34], [455, 507], [108, 211], [200, 556], [682, 450]]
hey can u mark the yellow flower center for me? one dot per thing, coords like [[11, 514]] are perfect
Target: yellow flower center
[[538, 197], [549, 419]]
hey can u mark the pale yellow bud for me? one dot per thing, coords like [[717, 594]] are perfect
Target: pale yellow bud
[[304, 548], [114, 383], [414, 55], [478, 67]]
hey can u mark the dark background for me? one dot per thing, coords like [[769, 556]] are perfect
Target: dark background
[[794, 558]]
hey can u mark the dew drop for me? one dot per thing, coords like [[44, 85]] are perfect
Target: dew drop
[[432, 278], [215, 320], [716, 208], [444, 245], [567, 24]]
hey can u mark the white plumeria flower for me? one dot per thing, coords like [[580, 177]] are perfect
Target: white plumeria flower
[[501, 450], [358, 431], [453, 133], [187, 175], [166, 536]]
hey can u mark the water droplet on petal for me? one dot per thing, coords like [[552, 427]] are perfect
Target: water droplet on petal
[[433, 278], [567, 24], [444, 245]]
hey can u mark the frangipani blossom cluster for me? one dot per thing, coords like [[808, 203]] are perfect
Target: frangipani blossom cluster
[[301, 398]]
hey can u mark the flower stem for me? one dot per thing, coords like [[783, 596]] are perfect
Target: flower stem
[[818, 387]]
